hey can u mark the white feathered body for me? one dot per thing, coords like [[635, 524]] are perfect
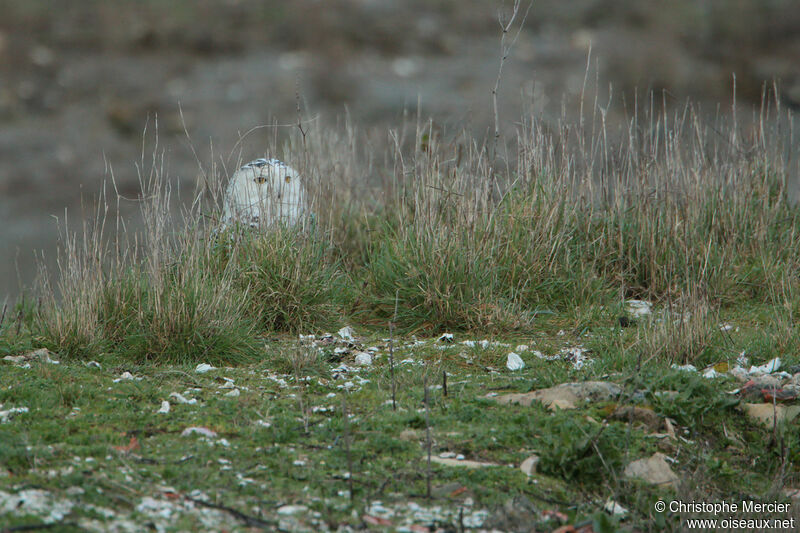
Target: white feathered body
[[263, 193]]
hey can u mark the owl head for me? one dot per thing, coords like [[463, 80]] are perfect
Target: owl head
[[264, 192]]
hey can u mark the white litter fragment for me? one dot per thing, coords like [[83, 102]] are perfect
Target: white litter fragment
[[6, 415], [292, 509], [180, 398], [613, 508], [232, 394], [202, 368], [346, 333], [446, 338], [514, 362], [94, 364], [263, 423], [204, 431], [711, 373], [164, 408], [126, 376], [685, 368], [638, 308], [767, 368], [521, 348]]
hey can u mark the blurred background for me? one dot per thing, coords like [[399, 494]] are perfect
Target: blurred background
[[80, 81]]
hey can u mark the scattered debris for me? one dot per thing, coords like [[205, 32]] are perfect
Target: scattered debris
[[447, 338], [164, 408], [6, 415], [564, 396], [346, 333], [42, 355], [35, 502]]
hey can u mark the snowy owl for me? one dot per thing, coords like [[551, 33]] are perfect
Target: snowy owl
[[264, 192]]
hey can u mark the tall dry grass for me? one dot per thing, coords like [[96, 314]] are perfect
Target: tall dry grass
[[676, 209]]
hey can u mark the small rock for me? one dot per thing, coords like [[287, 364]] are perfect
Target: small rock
[[529, 465], [564, 396], [363, 359], [202, 368], [642, 415], [638, 308], [463, 463], [447, 338], [94, 364], [767, 413], [292, 509], [180, 398], [514, 362], [232, 394], [204, 431], [126, 375], [164, 408], [654, 470]]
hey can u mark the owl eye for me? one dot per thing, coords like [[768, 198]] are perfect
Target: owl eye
[[260, 179], [288, 178]]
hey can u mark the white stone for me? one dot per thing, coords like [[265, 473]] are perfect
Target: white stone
[[202, 368], [199, 430], [180, 398], [514, 362], [363, 359], [164, 407], [638, 308]]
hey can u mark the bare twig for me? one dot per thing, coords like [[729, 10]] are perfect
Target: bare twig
[[505, 51]]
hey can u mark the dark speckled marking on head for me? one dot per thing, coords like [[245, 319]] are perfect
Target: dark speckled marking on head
[[261, 162]]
